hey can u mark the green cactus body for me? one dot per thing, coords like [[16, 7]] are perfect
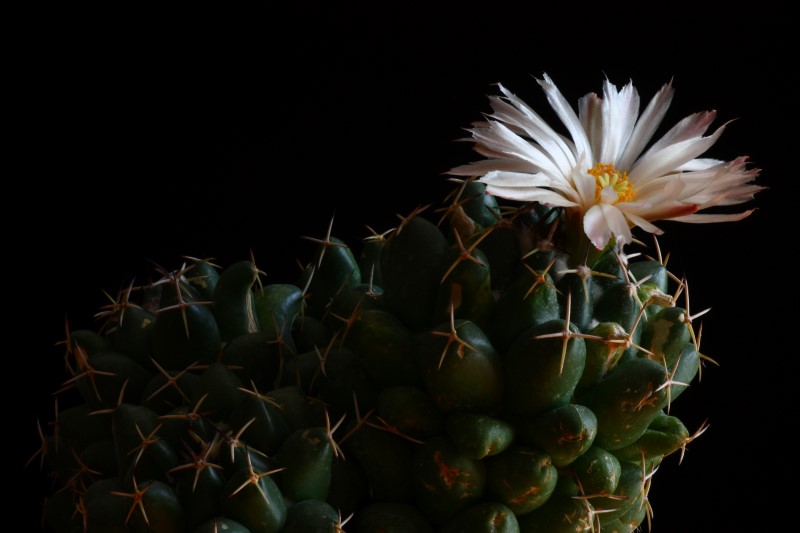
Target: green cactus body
[[253, 499], [215, 525], [141, 453], [391, 518], [595, 473], [234, 300], [306, 459], [411, 266], [131, 334], [542, 371], [531, 300], [446, 481], [478, 436], [523, 478], [185, 334], [470, 375], [411, 411], [487, 517], [626, 401], [198, 488], [385, 348], [276, 307], [564, 432], [311, 516], [106, 506], [466, 287], [663, 436], [461, 369], [334, 269], [386, 460], [561, 515], [627, 497]]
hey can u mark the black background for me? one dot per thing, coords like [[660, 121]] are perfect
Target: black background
[[146, 135]]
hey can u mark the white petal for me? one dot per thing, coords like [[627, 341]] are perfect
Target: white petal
[[530, 194], [515, 179], [518, 113], [584, 183], [479, 168], [500, 138], [602, 222], [608, 195], [645, 127], [511, 184], [620, 110], [569, 118]]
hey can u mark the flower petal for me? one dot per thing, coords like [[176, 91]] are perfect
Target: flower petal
[[645, 127], [584, 183], [655, 164], [515, 111], [527, 187], [620, 110], [590, 112], [602, 222], [568, 118], [644, 224], [706, 218], [515, 179], [695, 125]]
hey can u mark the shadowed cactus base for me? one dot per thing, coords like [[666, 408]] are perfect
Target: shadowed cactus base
[[457, 373]]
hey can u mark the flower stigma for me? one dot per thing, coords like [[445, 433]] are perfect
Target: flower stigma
[[608, 176]]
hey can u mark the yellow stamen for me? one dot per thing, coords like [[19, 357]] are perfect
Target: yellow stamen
[[607, 175]]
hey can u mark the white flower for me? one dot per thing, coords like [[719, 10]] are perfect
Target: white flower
[[603, 173]]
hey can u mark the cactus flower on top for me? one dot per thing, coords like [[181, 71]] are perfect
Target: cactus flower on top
[[606, 176]]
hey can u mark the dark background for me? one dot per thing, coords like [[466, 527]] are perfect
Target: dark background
[[147, 135]]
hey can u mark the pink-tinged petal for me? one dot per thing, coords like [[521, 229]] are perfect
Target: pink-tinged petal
[[657, 211], [568, 118], [723, 184], [653, 165], [690, 127], [706, 218], [590, 112], [698, 164], [602, 222], [671, 212], [642, 223], [646, 126], [665, 189]]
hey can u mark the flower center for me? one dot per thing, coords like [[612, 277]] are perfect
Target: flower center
[[608, 176]]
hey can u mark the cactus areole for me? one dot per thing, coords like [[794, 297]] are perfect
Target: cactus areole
[[496, 362]]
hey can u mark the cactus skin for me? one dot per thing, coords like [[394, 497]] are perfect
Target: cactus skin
[[461, 376]]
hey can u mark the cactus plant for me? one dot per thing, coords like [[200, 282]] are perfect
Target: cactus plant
[[497, 362]]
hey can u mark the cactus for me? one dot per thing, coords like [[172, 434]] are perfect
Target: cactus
[[472, 369]]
